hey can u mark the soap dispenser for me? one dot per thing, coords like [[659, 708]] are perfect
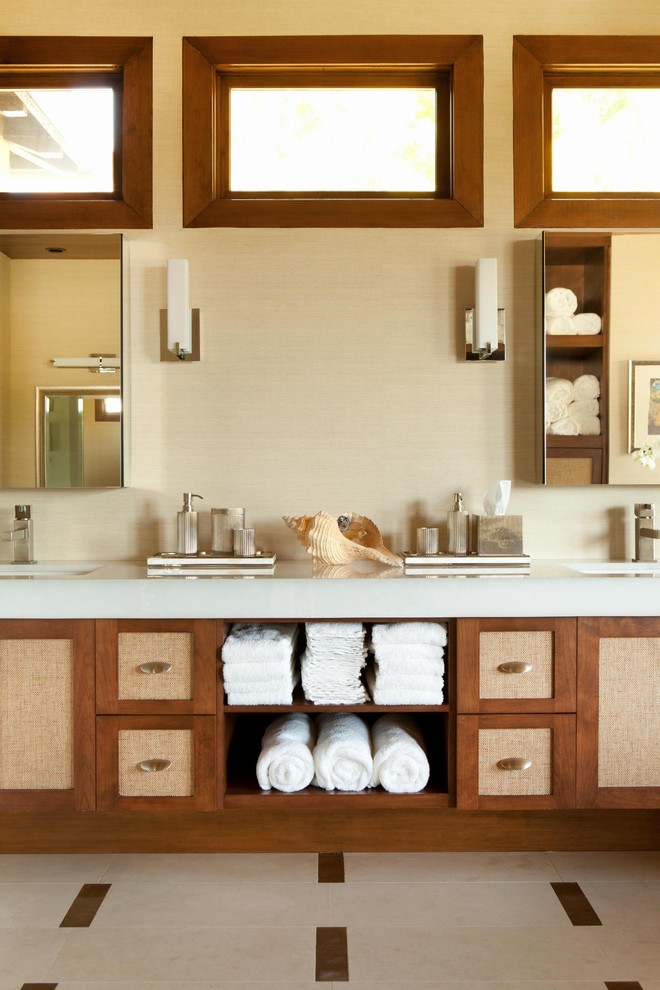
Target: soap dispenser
[[186, 525], [457, 527]]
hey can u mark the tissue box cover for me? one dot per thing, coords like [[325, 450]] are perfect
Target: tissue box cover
[[499, 534]]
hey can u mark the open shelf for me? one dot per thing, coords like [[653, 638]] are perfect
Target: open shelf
[[554, 440], [243, 744], [574, 342]]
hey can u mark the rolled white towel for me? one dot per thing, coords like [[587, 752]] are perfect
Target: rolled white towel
[[584, 407], [431, 633], [286, 760], [558, 394], [560, 325], [588, 426], [560, 302], [586, 387], [565, 427], [401, 765], [342, 755], [249, 642], [587, 323]]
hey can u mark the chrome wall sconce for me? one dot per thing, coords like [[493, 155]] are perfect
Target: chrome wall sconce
[[485, 325], [179, 324], [100, 364]]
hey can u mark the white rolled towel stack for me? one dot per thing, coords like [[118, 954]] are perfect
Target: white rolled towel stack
[[401, 765], [562, 318], [408, 664], [343, 759], [259, 663], [572, 408], [286, 760], [332, 663]]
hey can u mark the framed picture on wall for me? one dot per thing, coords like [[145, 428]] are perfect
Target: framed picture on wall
[[643, 403]]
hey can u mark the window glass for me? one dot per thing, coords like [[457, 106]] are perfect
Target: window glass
[[345, 139], [57, 140], [605, 140]]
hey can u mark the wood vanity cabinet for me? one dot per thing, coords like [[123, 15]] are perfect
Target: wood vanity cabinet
[[156, 701], [618, 740], [47, 749], [515, 703]]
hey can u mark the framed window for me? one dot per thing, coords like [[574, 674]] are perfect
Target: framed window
[[75, 132], [586, 136], [333, 131]]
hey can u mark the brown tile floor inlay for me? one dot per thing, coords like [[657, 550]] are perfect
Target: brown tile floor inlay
[[619, 985], [39, 986], [575, 904], [331, 955], [331, 867], [83, 910]]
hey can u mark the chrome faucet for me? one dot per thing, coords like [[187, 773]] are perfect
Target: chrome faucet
[[645, 534], [21, 535]]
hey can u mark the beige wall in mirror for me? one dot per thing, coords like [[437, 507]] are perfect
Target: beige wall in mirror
[[62, 303], [332, 372]]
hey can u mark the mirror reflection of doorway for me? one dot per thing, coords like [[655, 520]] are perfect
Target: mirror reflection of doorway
[[78, 437]]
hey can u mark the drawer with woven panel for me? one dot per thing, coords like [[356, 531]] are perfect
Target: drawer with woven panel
[[516, 665], [156, 762], [154, 667], [515, 761]]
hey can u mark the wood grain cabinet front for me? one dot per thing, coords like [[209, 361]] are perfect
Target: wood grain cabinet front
[[156, 763], [618, 742], [515, 703], [47, 715], [156, 667]]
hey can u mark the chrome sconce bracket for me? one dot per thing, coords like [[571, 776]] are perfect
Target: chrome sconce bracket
[[475, 353], [167, 355]]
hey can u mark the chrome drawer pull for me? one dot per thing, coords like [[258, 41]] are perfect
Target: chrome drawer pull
[[516, 667], [151, 766], [514, 763], [155, 668]]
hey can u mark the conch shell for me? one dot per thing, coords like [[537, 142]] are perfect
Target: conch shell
[[358, 539]]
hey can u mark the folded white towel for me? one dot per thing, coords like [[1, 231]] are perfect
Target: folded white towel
[[263, 693], [409, 694], [410, 666], [342, 756], [430, 633], [560, 302], [286, 760], [564, 427], [587, 323], [401, 765], [560, 325], [248, 642], [586, 387], [237, 674], [331, 664]]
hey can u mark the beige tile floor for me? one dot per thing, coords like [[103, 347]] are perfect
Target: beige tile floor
[[414, 921]]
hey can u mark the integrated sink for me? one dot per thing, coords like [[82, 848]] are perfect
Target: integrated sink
[[49, 568], [614, 567]]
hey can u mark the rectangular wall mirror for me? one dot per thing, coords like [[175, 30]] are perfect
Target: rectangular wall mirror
[[599, 326], [61, 415]]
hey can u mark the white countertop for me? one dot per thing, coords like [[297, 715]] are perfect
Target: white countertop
[[297, 591]]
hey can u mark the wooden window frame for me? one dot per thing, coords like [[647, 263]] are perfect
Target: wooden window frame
[[207, 201], [537, 61], [127, 61]]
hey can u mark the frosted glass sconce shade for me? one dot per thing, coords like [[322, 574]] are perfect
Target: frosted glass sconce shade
[[180, 326], [485, 324]]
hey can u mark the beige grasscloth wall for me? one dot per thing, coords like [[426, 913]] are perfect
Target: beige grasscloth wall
[[331, 373]]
